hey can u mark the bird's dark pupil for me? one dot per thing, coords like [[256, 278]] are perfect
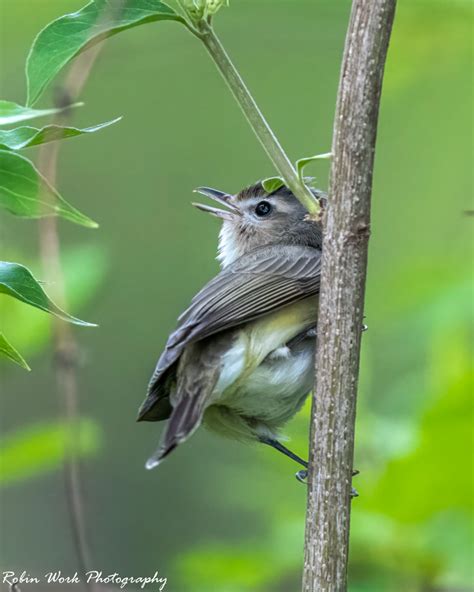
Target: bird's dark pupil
[[263, 208]]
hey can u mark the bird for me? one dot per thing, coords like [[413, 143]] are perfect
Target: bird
[[241, 360]]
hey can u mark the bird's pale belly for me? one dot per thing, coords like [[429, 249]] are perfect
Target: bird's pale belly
[[264, 381], [277, 388]]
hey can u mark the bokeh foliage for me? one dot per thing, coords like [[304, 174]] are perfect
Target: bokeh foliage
[[218, 515]]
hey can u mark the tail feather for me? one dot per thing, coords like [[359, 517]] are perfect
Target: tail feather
[[185, 418], [197, 375]]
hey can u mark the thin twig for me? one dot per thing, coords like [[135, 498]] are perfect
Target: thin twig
[[65, 345], [254, 116], [346, 233], [65, 362]]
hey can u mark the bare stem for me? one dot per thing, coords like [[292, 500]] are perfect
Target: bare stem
[[254, 116], [346, 233], [65, 362], [65, 346]]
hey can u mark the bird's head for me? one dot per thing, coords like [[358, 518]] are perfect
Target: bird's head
[[254, 218]]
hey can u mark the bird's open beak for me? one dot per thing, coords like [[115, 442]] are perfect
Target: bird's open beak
[[220, 197]]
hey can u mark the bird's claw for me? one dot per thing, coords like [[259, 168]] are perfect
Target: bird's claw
[[354, 492], [302, 475]]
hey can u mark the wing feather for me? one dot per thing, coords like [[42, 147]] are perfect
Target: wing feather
[[256, 284]]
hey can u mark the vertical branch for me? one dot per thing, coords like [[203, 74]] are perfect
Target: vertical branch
[[347, 229], [65, 346], [65, 364]]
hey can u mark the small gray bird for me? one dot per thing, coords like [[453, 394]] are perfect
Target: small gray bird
[[241, 358]]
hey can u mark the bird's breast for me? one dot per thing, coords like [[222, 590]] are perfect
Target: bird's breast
[[253, 365]]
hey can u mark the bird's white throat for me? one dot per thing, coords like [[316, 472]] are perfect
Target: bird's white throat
[[228, 249]]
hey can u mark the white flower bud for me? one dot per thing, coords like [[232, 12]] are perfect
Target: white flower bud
[[198, 9], [195, 8], [214, 5]]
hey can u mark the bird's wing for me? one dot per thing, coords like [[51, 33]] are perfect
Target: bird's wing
[[193, 389], [256, 284]]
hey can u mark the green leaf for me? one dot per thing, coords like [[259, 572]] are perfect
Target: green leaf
[[272, 184], [38, 449], [84, 269], [12, 113], [69, 35], [26, 136], [25, 192], [302, 162], [18, 281], [8, 351]]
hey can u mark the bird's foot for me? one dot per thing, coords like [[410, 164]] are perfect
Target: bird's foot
[[354, 492], [364, 326], [302, 475]]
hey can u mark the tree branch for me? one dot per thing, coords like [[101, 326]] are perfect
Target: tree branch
[[255, 117], [347, 229], [65, 345]]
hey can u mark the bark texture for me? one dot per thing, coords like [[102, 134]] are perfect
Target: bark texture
[[347, 229]]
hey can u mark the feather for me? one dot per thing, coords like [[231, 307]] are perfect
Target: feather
[[258, 283]]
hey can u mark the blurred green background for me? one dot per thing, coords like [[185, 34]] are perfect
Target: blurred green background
[[222, 516]]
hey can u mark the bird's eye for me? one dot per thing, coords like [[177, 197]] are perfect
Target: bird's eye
[[263, 208]]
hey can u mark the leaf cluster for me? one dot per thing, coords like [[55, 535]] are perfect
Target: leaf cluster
[[24, 191]]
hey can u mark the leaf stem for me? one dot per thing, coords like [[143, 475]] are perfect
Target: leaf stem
[[254, 116]]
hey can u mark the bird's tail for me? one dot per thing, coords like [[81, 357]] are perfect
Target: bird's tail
[[197, 375], [185, 418]]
